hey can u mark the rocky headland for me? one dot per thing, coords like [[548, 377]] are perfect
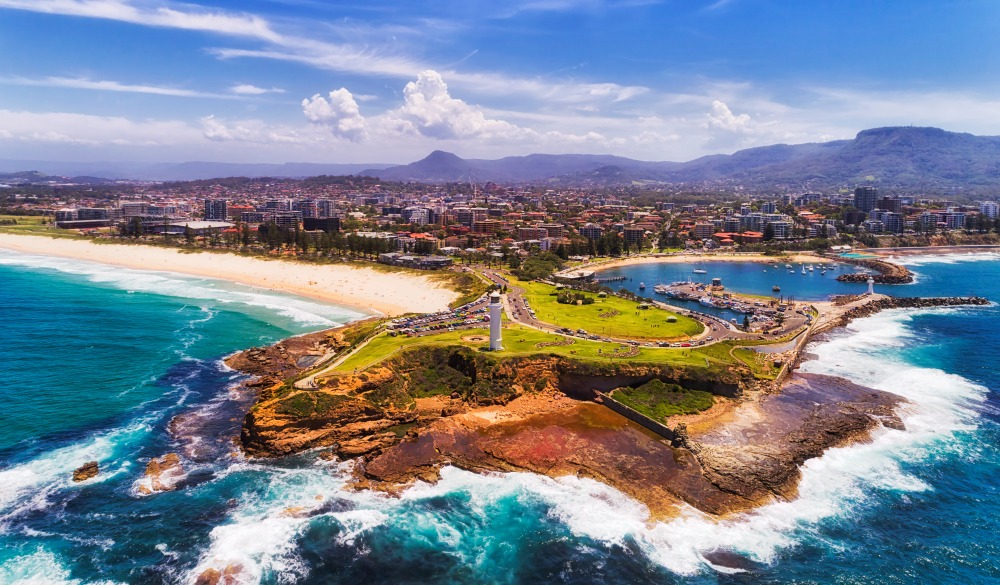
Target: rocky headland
[[418, 410]]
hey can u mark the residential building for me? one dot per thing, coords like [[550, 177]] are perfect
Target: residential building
[[215, 210], [591, 231], [634, 235], [865, 198]]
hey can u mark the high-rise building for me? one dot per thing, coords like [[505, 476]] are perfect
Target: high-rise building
[[326, 208], [330, 225], [278, 205], [702, 230], [215, 210], [133, 208], [865, 198], [306, 206], [990, 209], [634, 235], [590, 231], [287, 219], [893, 204]]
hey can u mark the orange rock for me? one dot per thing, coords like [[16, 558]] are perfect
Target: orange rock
[[227, 576], [163, 474], [86, 471]]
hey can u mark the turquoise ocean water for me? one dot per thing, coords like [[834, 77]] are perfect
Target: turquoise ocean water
[[95, 363]]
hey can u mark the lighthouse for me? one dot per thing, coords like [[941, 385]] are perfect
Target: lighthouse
[[871, 285], [495, 310]]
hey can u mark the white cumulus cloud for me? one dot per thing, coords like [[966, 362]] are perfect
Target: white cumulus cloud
[[339, 112], [430, 110], [722, 118]]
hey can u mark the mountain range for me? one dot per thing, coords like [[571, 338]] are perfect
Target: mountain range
[[185, 171], [911, 159], [900, 158]]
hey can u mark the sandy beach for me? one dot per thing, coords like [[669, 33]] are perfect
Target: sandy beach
[[359, 288]]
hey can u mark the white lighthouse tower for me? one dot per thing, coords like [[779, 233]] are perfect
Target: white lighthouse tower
[[495, 309], [871, 285]]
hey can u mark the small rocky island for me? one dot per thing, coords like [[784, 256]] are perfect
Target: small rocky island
[[738, 424]]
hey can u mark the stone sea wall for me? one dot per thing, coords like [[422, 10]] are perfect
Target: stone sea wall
[[881, 304]]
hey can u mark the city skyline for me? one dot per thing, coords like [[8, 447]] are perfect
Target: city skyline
[[298, 80]]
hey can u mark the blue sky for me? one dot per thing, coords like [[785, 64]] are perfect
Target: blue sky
[[381, 81]]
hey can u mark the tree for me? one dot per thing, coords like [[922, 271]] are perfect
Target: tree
[[188, 234], [746, 322], [768, 233], [134, 228]]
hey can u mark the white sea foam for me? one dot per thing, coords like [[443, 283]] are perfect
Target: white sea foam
[[30, 486], [955, 258], [260, 536], [40, 567], [237, 297]]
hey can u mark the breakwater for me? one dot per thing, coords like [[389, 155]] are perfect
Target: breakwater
[[881, 304], [885, 272]]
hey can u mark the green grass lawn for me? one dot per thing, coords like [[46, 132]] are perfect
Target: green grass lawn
[[659, 400], [521, 341], [33, 225], [611, 316], [762, 364]]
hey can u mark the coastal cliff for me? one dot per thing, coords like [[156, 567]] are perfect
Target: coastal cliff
[[364, 413]]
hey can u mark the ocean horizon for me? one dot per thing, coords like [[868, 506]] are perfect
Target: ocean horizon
[[99, 361]]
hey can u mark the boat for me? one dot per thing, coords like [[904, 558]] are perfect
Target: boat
[[642, 286], [803, 270], [707, 301], [776, 288], [809, 268], [700, 271], [788, 265]]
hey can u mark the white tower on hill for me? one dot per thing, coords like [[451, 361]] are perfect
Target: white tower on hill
[[495, 309], [871, 285]]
